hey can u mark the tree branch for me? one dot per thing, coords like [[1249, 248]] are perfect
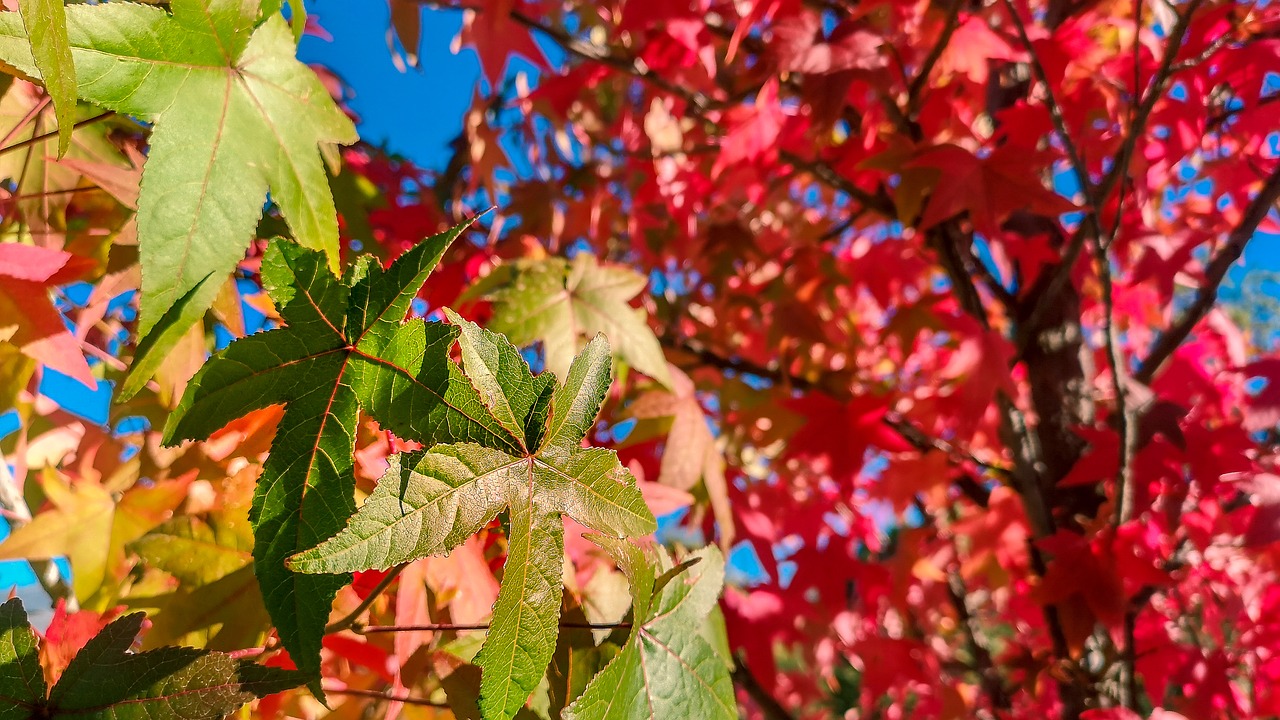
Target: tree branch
[[992, 684], [388, 696], [52, 133], [1215, 273], [1147, 102], [921, 79], [907, 430], [1056, 115]]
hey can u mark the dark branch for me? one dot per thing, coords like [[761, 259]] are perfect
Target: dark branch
[[455, 627], [768, 704], [388, 696], [1214, 274]]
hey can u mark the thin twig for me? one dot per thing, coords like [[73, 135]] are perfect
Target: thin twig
[[895, 421], [52, 193], [349, 620], [26, 120], [1147, 102], [919, 82], [388, 696], [1057, 116], [53, 133]]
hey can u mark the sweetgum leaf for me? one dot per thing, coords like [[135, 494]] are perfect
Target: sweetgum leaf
[[429, 502], [106, 681], [565, 302], [344, 344], [666, 669], [217, 604], [234, 114]]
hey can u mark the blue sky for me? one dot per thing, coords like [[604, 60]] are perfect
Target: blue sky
[[415, 113]]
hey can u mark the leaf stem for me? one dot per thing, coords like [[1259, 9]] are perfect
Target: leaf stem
[[456, 627]]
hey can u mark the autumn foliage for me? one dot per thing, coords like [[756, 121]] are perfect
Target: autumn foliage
[[914, 309]]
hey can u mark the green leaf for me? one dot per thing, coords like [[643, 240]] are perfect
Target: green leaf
[[666, 669], [498, 373], [563, 303], [430, 501], [344, 344], [46, 25], [21, 679], [234, 114], [105, 681], [522, 633]]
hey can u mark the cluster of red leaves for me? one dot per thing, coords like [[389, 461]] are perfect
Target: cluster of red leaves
[[897, 305]]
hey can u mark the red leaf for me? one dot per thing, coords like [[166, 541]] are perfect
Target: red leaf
[[66, 634], [495, 36], [989, 187], [26, 275], [803, 48]]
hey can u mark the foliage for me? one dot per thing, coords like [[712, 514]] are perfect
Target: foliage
[[234, 114], [103, 680], [913, 310]]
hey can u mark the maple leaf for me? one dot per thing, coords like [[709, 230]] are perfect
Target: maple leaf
[[1262, 408], [972, 47], [835, 436], [343, 344], [234, 114], [753, 133], [106, 680], [564, 302], [31, 322], [666, 669], [66, 634], [430, 502], [406, 23]]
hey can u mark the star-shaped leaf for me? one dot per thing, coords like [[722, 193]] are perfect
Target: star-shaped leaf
[[344, 345], [105, 680], [234, 114], [666, 669], [430, 502], [564, 303]]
